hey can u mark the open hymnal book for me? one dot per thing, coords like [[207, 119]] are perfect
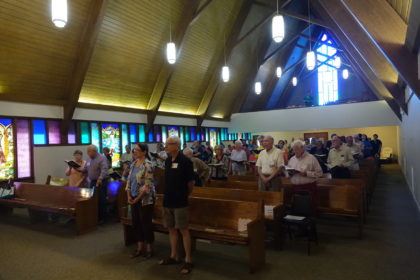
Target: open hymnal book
[[269, 210], [115, 175], [72, 163], [291, 171]]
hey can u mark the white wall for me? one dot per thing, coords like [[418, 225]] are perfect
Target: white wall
[[50, 111], [409, 145], [49, 160], [375, 113], [30, 110]]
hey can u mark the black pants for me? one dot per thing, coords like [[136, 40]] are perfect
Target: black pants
[[142, 222], [102, 204], [340, 172]]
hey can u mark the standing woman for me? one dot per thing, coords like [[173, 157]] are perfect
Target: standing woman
[[220, 172], [77, 178], [141, 196], [238, 158]]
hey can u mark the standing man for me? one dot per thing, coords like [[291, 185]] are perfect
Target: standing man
[[127, 156], [306, 169], [270, 164], [377, 146], [198, 150], [339, 159], [179, 182], [201, 169], [97, 172]]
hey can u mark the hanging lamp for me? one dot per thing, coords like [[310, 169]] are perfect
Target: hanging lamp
[[294, 81], [225, 69], [59, 12], [170, 48], [277, 27], [345, 74], [310, 56], [279, 72], [258, 88]]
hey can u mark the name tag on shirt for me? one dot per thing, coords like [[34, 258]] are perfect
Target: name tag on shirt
[[174, 165]]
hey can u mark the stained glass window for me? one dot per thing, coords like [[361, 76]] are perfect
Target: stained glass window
[[327, 74], [207, 134], [71, 137], [133, 133], [142, 133], [182, 135], [150, 136], [164, 134], [7, 149], [158, 133], [23, 144], [111, 139], [94, 128], [54, 135], [124, 139], [84, 133], [40, 132], [213, 137], [192, 134]]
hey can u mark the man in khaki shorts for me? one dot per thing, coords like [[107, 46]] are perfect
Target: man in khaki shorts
[[179, 181]]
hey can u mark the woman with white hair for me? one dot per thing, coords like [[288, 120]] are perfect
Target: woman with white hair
[[238, 159]]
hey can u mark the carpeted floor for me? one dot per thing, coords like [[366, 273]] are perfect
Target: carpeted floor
[[390, 248]]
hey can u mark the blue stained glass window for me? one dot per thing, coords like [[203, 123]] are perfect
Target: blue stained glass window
[[133, 133], [192, 134], [150, 136], [142, 133], [40, 132], [327, 74]]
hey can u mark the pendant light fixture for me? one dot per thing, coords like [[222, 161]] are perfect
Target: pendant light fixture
[[171, 48], [277, 27], [310, 56], [337, 62], [345, 74], [225, 69], [258, 88], [59, 12], [279, 72], [294, 81]]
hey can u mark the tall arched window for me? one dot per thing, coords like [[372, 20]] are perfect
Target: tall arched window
[[327, 74]]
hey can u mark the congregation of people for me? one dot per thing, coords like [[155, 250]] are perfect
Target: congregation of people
[[186, 167]]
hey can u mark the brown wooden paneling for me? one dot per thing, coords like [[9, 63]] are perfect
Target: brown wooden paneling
[[36, 57]]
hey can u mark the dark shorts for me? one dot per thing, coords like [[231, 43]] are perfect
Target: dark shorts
[[175, 217]]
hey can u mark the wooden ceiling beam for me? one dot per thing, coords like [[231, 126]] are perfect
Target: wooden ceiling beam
[[412, 40], [188, 15], [84, 54], [218, 63], [387, 30], [362, 63], [292, 14]]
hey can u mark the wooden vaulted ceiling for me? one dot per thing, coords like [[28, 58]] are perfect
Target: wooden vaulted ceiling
[[112, 53]]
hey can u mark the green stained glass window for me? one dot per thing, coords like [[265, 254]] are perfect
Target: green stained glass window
[[95, 134], [142, 133], [84, 133], [125, 138]]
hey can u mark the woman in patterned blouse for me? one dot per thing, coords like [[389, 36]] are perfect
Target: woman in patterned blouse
[[141, 196]]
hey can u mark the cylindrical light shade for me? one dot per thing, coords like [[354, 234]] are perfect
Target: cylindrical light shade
[[225, 74], [294, 81], [171, 52], [337, 62], [310, 60], [59, 12], [278, 28], [345, 74], [279, 72], [258, 88]]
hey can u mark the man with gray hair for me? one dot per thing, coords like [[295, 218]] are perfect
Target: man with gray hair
[[97, 172], [270, 165], [306, 167], [201, 170], [179, 182]]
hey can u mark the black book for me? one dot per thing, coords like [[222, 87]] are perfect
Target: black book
[[72, 163], [257, 151]]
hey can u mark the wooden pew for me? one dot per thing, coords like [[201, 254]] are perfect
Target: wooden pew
[[217, 220], [245, 185], [70, 201], [247, 177]]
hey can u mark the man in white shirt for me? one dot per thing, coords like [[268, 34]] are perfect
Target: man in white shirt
[[306, 166], [339, 159], [270, 165], [355, 151], [127, 156]]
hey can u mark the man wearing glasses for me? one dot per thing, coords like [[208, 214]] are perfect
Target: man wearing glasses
[[179, 181]]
